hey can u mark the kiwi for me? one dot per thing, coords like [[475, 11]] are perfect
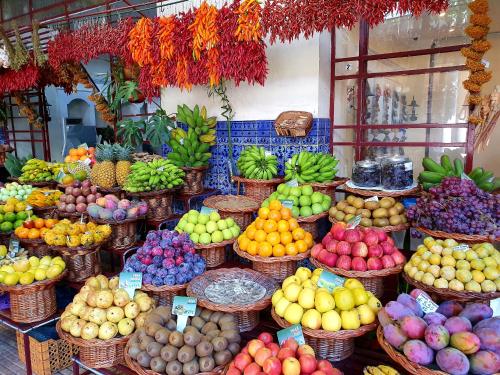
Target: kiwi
[[134, 339], [197, 322], [393, 211], [190, 329], [169, 353], [171, 325], [341, 205], [154, 349], [204, 349], [395, 220], [372, 205], [400, 207], [162, 336], [206, 364], [133, 351], [348, 217], [144, 359], [220, 343], [350, 199], [223, 357], [364, 212], [386, 202], [212, 334], [151, 328], [216, 315], [157, 364], [380, 222], [186, 354], [232, 335], [380, 213], [226, 326], [192, 338], [234, 348], [191, 367], [145, 341], [366, 222], [332, 211], [205, 315], [209, 326], [140, 332], [339, 216], [165, 312], [350, 210], [358, 202], [174, 368], [154, 318], [404, 219], [176, 339]]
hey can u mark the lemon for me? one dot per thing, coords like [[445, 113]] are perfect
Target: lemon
[[26, 278], [293, 313], [331, 321], [306, 298], [324, 302]]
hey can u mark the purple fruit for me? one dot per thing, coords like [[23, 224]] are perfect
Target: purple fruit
[[452, 361], [489, 338], [119, 214], [124, 204], [476, 312], [157, 250], [434, 318], [151, 236], [106, 214], [142, 208], [157, 261], [411, 303], [396, 310], [394, 335], [413, 326], [169, 280], [70, 207], [91, 198], [132, 213], [112, 197], [466, 342], [437, 336], [457, 324], [111, 205], [449, 308], [417, 351], [493, 323], [94, 210], [484, 363], [81, 207]]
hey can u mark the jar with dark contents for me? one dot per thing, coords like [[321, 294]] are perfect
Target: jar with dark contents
[[397, 173], [366, 173]]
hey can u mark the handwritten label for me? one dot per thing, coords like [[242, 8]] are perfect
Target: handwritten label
[[130, 281], [464, 176], [354, 222], [426, 303], [207, 210], [287, 203], [294, 331], [409, 166], [81, 218], [87, 161], [461, 247], [160, 169], [183, 307], [330, 281], [13, 247], [372, 199], [293, 183]]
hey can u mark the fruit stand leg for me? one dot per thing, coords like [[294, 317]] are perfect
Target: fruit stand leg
[[76, 368], [27, 354]]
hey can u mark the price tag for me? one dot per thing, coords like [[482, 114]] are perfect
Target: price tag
[[60, 175], [87, 161], [13, 247], [464, 176], [160, 169], [330, 281], [268, 153], [426, 303], [294, 331], [372, 199], [461, 247], [409, 166], [354, 222], [287, 203], [84, 145], [486, 63], [130, 281], [183, 307], [207, 210], [47, 193], [81, 218], [293, 183]]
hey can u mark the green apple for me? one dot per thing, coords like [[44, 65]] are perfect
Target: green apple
[[193, 212], [214, 216], [294, 199], [217, 236], [274, 195], [205, 239], [316, 197], [193, 219], [203, 218], [305, 211], [211, 226], [295, 191], [305, 200], [230, 222], [317, 208], [265, 203], [189, 228], [221, 224], [227, 234], [307, 190], [325, 205], [235, 230], [280, 197], [200, 228], [295, 212], [182, 223], [195, 237]]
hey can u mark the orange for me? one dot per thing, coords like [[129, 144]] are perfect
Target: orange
[[278, 250], [74, 158], [43, 231], [252, 248], [39, 223], [91, 150], [244, 243], [81, 151], [309, 240], [285, 238], [265, 249], [301, 246], [270, 226], [251, 232], [49, 223], [259, 223], [298, 234], [84, 157], [273, 238], [291, 249], [73, 152], [260, 235], [293, 223], [283, 226], [33, 234], [286, 213], [22, 232], [263, 212], [275, 205], [275, 215]]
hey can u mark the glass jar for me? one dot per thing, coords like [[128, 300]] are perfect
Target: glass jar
[[366, 173], [397, 173]]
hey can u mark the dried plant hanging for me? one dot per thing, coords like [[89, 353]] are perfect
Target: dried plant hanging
[[39, 56], [21, 55], [8, 45], [25, 110], [486, 113]]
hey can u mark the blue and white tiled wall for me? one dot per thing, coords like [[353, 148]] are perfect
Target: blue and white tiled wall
[[260, 133]]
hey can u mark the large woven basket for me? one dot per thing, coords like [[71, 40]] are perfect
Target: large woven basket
[[411, 367], [388, 228], [164, 295], [81, 262], [46, 212], [445, 294], [239, 207], [34, 302], [214, 253], [257, 189], [467, 238], [279, 268], [159, 203], [72, 215], [116, 190], [36, 247], [333, 346], [328, 188], [310, 223], [381, 193], [372, 280], [193, 182], [97, 353], [5, 238], [123, 233], [246, 314]]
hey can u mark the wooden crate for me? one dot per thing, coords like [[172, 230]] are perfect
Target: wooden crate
[[47, 357]]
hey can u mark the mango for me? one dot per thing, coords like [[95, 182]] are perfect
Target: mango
[[413, 326], [466, 342], [476, 312], [383, 317], [437, 336], [396, 310], [452, 361], [489, 323], [457, 324], [449, 308], [417, 351], [489, 338], [411, 303], [394, 335], [434, 318], [484, 362]]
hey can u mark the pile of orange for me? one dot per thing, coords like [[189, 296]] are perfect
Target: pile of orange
[[275, 233], [35, 229], [80, 153]]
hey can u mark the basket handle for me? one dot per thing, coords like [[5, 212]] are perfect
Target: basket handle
[[127, 254]]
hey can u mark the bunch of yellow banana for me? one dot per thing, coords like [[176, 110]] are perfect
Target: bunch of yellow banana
[[380, 370], [197, 119]]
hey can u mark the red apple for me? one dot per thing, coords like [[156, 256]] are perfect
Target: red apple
[[359, 249], [261, 355], [328, 259], [318, 372], [387, 261], [338, 230], [242, 360], [252, 369], [233, 371], [326, 240], [275, 348], [272, 366], [382, 236], [352, 235], [332, 246], [290, 366], [375, 251], [316, 249], [344, 262], [371, 237], [305, 349], [307, 363], [374, 264], [343, 248], [358, 264], [253, 346], [290, 343], [398, 257], [322, 255], [285, 353], [266, 338], [245, 350], [387, 247], [29, 224], [327, 368]]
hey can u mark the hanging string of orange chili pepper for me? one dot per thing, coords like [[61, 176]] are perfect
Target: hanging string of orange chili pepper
[[182, 74], [140, 42], [167, 25], [249, 16]]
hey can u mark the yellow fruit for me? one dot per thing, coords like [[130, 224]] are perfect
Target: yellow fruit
[[353, 283], [26, 278], [303, 273], [34, 261], [40, 274], [374, 304], [491, 273], [281, 306], [331, 321], [11, 279], [317, 271], [314, 279], [311, 319], [45, 261], [293, 313], [478, 276], [2, 276], [7, 269], [324, 302], [21, 265], [54, 271], [366, 314], [306, 298], [350, 319], [322, 290], [344, 300], [292, 292], [277, 296], [308, 284], [21, 206], [360, 296], [3, 250], [289, 280]]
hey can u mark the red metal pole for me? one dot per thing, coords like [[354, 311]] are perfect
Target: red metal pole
[[361, 79], [333, 54]]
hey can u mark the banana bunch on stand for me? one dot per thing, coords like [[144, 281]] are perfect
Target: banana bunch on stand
[[379, 370]]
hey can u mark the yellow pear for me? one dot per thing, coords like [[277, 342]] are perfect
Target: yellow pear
[[308, 284], [21, 265], [277, 296], [311, 319], [353, 283], [314, 279], [26, 278], [344, 300], [53, 271], [292, 292], [374, 304], [303, 273], [330, 321], [290, 280], [306, 298], [293, 313], [350, 319], [281, 306], [360, 296], [324, 302], [366, 314], [317, 271], [322, 290]]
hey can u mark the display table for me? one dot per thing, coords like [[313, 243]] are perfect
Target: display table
[[118, 369]]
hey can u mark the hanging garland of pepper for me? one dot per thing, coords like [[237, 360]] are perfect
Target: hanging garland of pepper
[[27, 111]]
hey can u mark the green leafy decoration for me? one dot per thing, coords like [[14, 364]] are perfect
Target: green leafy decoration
[[124, 91], [158, 128], [131, 132]]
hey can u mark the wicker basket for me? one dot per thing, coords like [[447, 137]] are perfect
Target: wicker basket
[[5, 238], [328, 188], [293, 123], [381, 193], [159, 203], [310, 223], [96, 353], [47, 357], [445, 294], [34, 302], [46, 212], [279, 268], [239, 207], [164, 295], [333, 346], [214, 253], [123, 233], [44, 184], [36, 247], [467, 238], [193, 182], [411, 367], [73, 215], [372, 280], [116, 190], [389, 228], [81, 262], [248, 314], [257, 189]]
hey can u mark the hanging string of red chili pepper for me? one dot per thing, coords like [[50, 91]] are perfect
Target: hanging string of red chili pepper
[[23, 79]]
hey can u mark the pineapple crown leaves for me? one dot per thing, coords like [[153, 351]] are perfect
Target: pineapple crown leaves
[[123, 152], [105, 152]]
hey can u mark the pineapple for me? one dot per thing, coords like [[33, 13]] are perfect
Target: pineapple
[[103, 172], [123, 155]]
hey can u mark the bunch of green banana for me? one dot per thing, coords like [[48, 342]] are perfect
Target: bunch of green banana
[[380, 370], [36, 170], [434, 173], [155, 175], [187, 150], [256, 163], [196, 119], [311, 167]]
